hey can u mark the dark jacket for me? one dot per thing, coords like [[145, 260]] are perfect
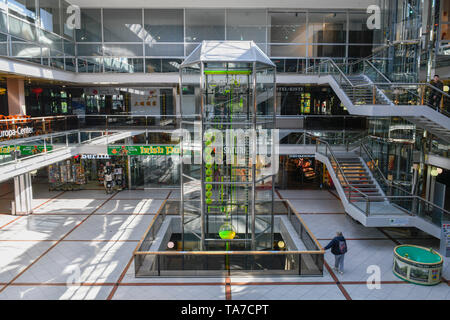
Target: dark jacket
[[334, 245], [440, 86]]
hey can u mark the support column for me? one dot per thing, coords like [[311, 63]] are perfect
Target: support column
[[23, 195], [16, 97]]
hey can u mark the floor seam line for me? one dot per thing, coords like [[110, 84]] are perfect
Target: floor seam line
[[51, 247], [337, 282], [125, 270]]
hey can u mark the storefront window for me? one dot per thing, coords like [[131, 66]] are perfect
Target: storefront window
[[303, 100], [155, 171]]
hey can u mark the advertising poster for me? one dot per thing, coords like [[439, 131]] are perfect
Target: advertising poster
[[25, 150]]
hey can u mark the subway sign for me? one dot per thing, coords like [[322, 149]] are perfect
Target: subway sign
[[153, 150], [25, 150]]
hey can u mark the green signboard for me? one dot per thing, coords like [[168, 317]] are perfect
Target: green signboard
[[166, 150], [25, 150]]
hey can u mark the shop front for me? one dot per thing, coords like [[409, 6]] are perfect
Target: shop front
[[299, 172], [150, 166], [87, 171]]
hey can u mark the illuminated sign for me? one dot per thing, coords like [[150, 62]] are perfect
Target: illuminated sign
[[166, 150], [25, 150], [19, 131]]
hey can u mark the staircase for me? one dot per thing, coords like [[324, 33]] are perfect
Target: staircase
[[439, 131], [356, 179], [361, 91]]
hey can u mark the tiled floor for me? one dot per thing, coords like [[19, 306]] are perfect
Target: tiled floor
[[88, 237]]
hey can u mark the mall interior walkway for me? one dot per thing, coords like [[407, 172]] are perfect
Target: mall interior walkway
[[79, 244]]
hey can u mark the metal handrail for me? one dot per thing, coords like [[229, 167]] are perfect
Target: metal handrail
[[337, 164], [389, 183], [378, 71], [328, 60]]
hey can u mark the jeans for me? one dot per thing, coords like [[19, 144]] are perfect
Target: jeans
[[437, 102], [339, 262]]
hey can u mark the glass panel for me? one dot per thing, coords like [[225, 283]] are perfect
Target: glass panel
[[121, 25], [21, 29], [190, 47], [287, 27], [70, 64], [3, 45], [3, 23], [54, 42], [171, 65], [69, 48], [129, 65], [126, 50], [288, 51], [152, 65], [57, 63], [23, 8], [24, 49], [291, 65], [163, 25], [327, 27], [205, 24], [49, 13], [91, 29], [246, 25], [326, 51], [164, 50], [90, 65], [359, 51], [358, 31], [68, 31], [89, 49]]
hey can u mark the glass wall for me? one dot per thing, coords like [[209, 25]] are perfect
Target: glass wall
[[156, 40], [37, 31]]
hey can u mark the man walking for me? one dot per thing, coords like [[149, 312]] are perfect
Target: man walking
[[338, 247], [436, 96]]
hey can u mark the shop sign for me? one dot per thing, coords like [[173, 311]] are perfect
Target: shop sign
[[145, 101], [95, 156], [19, 131], [166, 150], [290, 89], [25, 150], [102, 91]]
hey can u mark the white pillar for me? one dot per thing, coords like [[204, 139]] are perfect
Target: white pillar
[[23, 195]]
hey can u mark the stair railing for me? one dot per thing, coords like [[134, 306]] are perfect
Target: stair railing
[[350, 188]]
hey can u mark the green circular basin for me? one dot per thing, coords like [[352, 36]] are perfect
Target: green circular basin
[[417, 264]]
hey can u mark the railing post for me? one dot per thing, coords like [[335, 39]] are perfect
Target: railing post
[[367, 206], [422, 94], [374, 95]]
